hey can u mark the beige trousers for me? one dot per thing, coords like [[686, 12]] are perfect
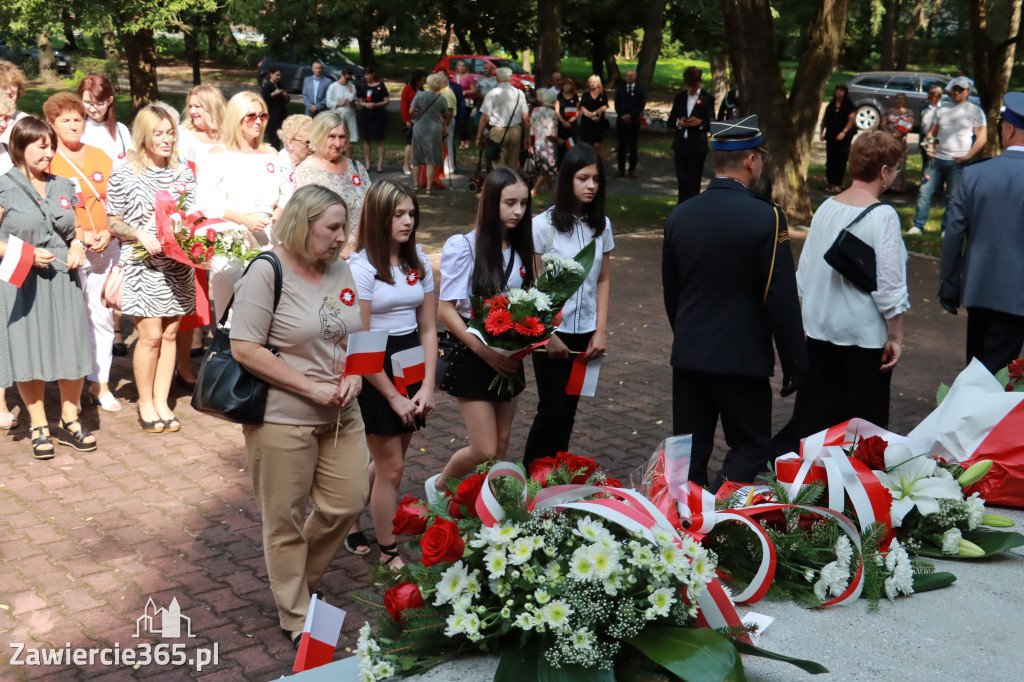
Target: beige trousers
[[289, 465], [510, 147]]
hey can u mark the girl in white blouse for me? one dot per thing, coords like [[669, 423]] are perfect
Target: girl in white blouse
[[576, 219], [496, 256], [396, 293]]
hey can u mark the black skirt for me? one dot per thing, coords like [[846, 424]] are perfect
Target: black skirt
[[379, 418], [473, 376]]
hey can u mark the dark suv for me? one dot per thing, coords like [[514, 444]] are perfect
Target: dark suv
[[873, 92], [297, 62]]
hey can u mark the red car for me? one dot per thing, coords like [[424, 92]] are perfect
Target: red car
[[475, 64]]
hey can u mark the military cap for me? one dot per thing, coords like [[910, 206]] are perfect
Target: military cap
[[1013, 109], [736, 134]]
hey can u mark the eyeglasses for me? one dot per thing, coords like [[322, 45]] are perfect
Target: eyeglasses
[[169, 135], [96, 105], [250, 118]]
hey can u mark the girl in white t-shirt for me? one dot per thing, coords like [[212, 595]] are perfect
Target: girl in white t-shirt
[[576, 219], [395, 286], [496, 256]]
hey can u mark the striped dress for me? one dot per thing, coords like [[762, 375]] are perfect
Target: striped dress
[[155, 286]]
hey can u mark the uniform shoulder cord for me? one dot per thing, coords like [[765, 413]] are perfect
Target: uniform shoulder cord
[[775, 248]]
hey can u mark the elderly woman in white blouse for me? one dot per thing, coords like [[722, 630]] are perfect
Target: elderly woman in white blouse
[[854, 339], [341, 97], [243, 182]]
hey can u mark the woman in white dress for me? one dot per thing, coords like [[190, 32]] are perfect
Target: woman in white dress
[[295, 149], [101, 127], [341, 96], [242, 182]]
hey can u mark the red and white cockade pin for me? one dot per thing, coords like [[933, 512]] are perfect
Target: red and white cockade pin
[[356, 180], [522, 271], [180, 188], [347, 296], [412, 277], [291, 177], [270, 168], [122, 155], [97, 177], [65, 203]]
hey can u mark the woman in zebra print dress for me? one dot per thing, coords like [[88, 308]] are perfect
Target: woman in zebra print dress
[[157, 290]]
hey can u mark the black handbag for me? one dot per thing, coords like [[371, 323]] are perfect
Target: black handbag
[[224, 388], [449, 357], [853, 258]]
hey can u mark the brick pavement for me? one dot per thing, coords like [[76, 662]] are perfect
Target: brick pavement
[[85, 540]]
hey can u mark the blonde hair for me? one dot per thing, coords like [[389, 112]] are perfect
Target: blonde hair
[[292, 126], [307, 204], [7, 107], [436, 82], [146, 121], [10, 74], [594, 77], [213, 103], [322, 126], [231, 127]]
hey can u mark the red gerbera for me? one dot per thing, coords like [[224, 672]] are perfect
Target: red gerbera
[[498, 321], [210, 253], [412, 277], [211, 235], [530, 326], [497, 302], [196, 251], [347, 296]]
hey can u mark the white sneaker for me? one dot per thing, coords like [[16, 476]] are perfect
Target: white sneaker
[[915, 230], [430, 488]]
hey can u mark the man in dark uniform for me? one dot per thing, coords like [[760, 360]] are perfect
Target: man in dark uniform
[[730, 286], [693, 110], [630, 101], [983, 250]]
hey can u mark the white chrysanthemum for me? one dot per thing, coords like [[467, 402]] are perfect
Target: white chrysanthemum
[[453, 582], [505, 613], [844, 551], [471, 627], [456, 624], [902, 580], [975, 510], [541, 301], [951, 541], [606, 561], [821, 590], [591, 529], [495, 536], [517, 295], [836, 577], [520, 551], [495, 562], [662, 600], [809, 574], [556, 614], [581, 566], [642, 554], [541, 596], [383, 670], [703, 570], [691, 547], [524, 621], [583, 639], [472, 588]]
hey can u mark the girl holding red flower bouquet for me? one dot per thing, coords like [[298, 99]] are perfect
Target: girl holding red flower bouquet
[[395, 285], [496, 256], [576, 219]]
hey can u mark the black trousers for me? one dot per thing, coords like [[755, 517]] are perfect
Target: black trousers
[[745, 406], [556, 411], [994, 337], [628, 135], [836, 156], [689, 171], [842, 382]]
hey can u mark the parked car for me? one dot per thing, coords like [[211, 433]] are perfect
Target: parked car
[[521, 78], [61, 61], [296, 63], [873, 93]]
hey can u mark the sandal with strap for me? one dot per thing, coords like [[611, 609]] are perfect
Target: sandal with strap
[[388, 553], [75, 439], [294, 637], [42, 446], [7, 421], [355, 541]]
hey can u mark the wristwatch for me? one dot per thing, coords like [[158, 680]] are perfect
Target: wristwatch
[[80, 243]]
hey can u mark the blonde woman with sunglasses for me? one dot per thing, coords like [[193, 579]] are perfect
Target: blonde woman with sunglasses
[[243, 182]]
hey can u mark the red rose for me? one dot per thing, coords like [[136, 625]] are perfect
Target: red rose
[[466, 494], [612, 482], [211, 235], [871, 451], [541, 468], [401, 597], [584, 465], [196, 251], [442, 543], [410, 519]]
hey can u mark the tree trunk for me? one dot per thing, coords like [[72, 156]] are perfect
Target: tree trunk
[[140, 53], [719, 76], [47, 69], [447, 39], [788, 123], [479, 41], [549, 40], [993, 63], [650, 48], [908, 35], [598, 52], [365, 40], [191, 38], [890, 27], [464, 46], [612, 66], [69, 30], [111, 46]]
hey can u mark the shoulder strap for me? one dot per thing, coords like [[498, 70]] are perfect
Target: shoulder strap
[[19, 180], [278, 279], [82, 175], [863, 213]]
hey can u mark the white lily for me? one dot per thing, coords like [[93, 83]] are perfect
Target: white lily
[[909, 478]]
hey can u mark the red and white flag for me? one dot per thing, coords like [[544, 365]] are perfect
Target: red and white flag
[[319, 635], [191, 160], [409, 368], [366, 353], [583, 377], [17, 262]]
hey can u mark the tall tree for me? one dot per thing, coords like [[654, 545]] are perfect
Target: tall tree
[[650, 48], [788, 123], [994, 51], [549, 39]]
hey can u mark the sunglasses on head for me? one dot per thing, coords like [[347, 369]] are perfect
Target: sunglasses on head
[[249, 119]]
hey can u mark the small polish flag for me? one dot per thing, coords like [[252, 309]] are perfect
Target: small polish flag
[[191, 162], [570, 143], [644, 121], [583, 377], [17, 262], [409, 368], [319, 635], [366, 353]]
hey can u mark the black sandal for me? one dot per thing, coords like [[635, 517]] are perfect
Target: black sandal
[[389, 551], [75, 439], [356, 540], [42, 446], [171, 425], [155, 426], [293, 639]]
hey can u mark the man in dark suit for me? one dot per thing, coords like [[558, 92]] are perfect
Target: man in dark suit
[[983, 249], [630, 101], [692, 113], [314, 90], [730, 287]]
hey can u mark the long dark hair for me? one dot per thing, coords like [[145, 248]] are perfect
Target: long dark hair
[[101, 90], [562, 215], [382, 200], [488, 266], [846, 92]]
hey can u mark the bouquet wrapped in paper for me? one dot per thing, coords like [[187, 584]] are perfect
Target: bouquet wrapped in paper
[[519, 320]]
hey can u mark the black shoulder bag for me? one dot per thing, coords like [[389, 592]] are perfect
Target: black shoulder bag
[[853, 258], [224, 388]]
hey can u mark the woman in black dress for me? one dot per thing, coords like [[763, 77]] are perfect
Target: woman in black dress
[[837, 133], [593, 104], [373, 101], [277, 105], [567, 109]]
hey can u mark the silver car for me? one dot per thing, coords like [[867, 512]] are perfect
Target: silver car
[[873, 92]]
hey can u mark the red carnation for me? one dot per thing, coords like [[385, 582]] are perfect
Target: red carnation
[[573, 464], [530, 326], [196, 251], [441, 543], [541, 468], [211, 235], [410, 519], [871, 451], [498, 321], [466, 494], [401, 597]]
